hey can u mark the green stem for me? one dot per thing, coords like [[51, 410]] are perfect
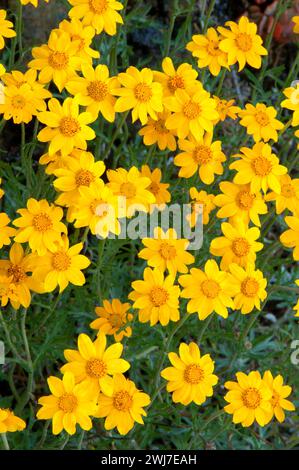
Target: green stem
[[204, 327], [5, 441], [8, 338], [99, 267], [173, 16], [27, 395], [208, 15], [116, 132], [220, 84]]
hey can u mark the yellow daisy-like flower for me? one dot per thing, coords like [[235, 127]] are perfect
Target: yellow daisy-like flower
[[84, 34], [202, 204], [226, 108], [61, 266], [17, 79], [288, 197], [5, 232], [292, 102], [156, 298], [17, 270], [101, 14], [157, 188], [259, 167], [32, 2], [184, 78], [191, 378], [9, 422], [133, 188], [155, 132], [97, 208], [238, 245], [58, 60], [295, 20], [249, 399], [205, 47], [68, 405], [191, 114], [122, 406], [56, 160], [6, 28], [249, 285], [140, 93], [94, 90], [290, 238], [208, 291], [66, 126], [166, 252], [260, 122], [202, 155], [40, 225], [113, 319], [279, 394], [92, 363], [8, 292], [237, 202], [242, 44], [21, 103]]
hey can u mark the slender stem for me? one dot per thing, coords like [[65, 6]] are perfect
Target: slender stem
[[80, 444], [174, 12], [220, 84], [208, 15], [115, 135], [204, 327], [27, 395], [23, 142], [5, 441], [8, 338], [99, 267]]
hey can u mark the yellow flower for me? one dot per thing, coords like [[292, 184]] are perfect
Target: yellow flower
[[58, 60], [66, 126], [133, 188], [295, 20], [191, 114], [157, 188], [97, 209], [155, 131], [259, 167], [113, 318], [292, 102], [61, 266], [92, 363], [191, 378], [9, 422], [249, 285], [202, 155], [242, 44], [5, 232], [184, 78], [32, 2], [156, 298], [205, 47], [202, 203], [260, 122], [17, 270], [94, 90], [237, 202], [69, 405], [8, 292], [56, 160], [279, 394], [22, 102], [101, 14], [249, 399], [140, 93], [17, 79], [238, 245], [208, 291], [288, 197], [226, 109], [290, 238], [166, 252], [6, 30], [84, 34], [40, 225], [122, 406]]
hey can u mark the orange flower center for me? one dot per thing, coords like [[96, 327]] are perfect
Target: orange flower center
[[245, 200], [84, 178], [69, 126], [18, 102], [202, 154], [67, 402], [154, 188], [240, 247], [122, 400], [17, 272], [262, 118], [58, 60], [128, 190], [98, 6], [158, 296], [116, 320], [143, 92], [191, 110], [193, 374], [261, 166], [96, 368], [251, 398], [175, 82], [97, 90], [287, 190], [244, 42], [42, 222], [249, 287], [167, 251], [212, 48], [61, 261], [159, 127], [210, 288]]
